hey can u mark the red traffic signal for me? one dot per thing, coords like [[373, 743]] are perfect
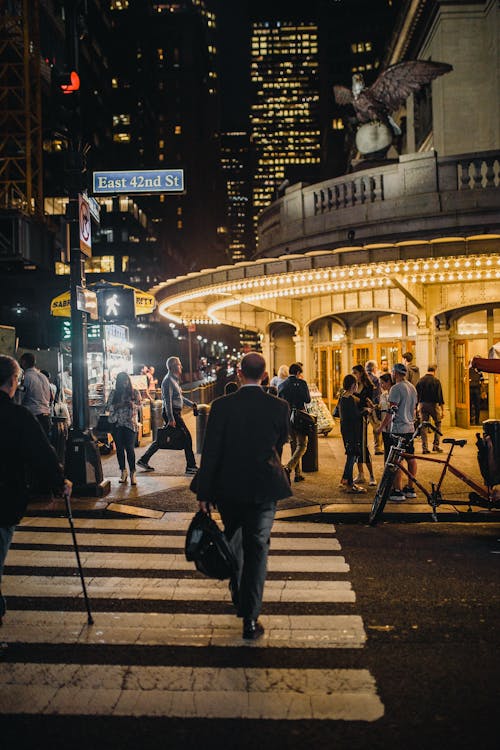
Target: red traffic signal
[[73, 85]]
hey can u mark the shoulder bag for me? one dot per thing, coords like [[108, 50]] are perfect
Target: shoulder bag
[[170, 438], [302, 422]]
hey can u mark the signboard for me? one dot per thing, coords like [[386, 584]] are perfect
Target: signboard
[[141, 181], [116, 304], [8, 340], [95, 209], [145, 303], [85, 225], [86, 301]]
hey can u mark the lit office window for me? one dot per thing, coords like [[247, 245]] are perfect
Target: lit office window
[[61, 269], [121, 120], [178, 130], [100, 264], [118, 4], [121, 137]]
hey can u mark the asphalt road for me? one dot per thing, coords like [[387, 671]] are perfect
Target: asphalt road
[[429, 598]]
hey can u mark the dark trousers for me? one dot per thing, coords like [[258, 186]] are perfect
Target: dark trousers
[[124, 439], [386, 437], [46, 423], [475, 405], [188, 443], [350, 462], [248, 528]]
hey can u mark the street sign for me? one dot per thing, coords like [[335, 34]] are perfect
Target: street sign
[[141, 181], [85, 225], [95, 209], [86, 301]]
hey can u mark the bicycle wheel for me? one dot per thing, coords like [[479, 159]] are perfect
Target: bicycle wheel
[[382, 495]]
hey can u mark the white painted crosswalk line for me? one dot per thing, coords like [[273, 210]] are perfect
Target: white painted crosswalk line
[[145, 561], [198, 589], [180, 524], [181, 629], [186, 692]]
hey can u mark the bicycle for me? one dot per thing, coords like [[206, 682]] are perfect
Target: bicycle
[[481, 497]]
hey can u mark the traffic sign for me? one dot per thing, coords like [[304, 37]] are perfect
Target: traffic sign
[[86, 301], [85, 225], [142, 181]]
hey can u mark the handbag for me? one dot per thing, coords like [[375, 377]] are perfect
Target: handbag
[[170, 438], [207, 546], [104, 424], [302, 422]]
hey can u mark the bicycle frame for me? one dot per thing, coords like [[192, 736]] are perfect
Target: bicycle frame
[[434, 497]]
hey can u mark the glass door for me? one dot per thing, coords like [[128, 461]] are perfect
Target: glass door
[[461, 384]]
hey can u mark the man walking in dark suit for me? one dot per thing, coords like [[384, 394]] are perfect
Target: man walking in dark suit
[[241, 474]]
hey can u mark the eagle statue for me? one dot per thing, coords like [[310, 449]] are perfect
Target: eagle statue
[[391, 89]]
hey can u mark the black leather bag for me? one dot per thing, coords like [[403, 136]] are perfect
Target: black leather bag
[[170, 438], [302, 422], [103, 424], [209, 549]]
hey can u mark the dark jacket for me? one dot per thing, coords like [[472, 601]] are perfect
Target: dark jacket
[[295, 391], [429, 390], [240, 462], [351, 424], [23, 446]]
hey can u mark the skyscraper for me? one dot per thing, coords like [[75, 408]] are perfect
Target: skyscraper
[[284, 117], [235, 160]]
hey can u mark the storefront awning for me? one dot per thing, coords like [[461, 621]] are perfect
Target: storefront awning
[[145, 303]]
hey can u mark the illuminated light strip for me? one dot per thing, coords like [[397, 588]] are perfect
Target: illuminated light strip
[[437, 268]]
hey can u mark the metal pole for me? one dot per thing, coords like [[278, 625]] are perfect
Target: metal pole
[[190, 357], [77, 553]]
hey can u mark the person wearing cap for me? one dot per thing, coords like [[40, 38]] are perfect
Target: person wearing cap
[[403, 396]]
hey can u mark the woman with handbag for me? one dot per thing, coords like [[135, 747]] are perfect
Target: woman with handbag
[[364, 391], [123, 406], [351, 431]]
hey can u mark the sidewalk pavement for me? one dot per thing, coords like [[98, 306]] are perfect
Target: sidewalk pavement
[[166, 490]]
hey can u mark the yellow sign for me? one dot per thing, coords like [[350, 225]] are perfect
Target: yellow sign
[[144, 303]]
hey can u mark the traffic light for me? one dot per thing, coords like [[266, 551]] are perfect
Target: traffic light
[[65, 102]]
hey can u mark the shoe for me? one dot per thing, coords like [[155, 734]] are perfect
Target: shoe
[[288, 473], [426, 450], [299, 478], [372, 482], [252, 629], [191, 470], [144, 465], [133, 480], [437, 449], [360, 480], [123, 476], [397, 496], [409, 491], [355, 490]]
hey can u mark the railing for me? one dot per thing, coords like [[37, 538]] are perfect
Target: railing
[[200, 393]]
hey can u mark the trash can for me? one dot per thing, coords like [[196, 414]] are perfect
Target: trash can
[[310, 457], [201, 425], [491, 427], [156, 416]]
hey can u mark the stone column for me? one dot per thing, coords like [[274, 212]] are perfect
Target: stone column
[[491, 377], [424, 349], [443, 361], [267, 353], [302, 352]]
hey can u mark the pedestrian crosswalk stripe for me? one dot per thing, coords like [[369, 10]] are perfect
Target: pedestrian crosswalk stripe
[[181, 629], [175, 589], [153, 541], [40, 558], [164, 524], [190, 692]]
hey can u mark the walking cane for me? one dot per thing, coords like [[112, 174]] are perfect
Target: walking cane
[[67, 494]]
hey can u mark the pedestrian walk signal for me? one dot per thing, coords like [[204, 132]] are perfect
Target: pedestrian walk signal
[[116, 304]]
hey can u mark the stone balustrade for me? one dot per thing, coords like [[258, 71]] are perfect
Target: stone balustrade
[[418, 194]]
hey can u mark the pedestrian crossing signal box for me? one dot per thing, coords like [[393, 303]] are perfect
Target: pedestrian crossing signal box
[[116, 304]]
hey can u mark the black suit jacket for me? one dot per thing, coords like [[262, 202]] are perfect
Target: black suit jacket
[[240, 463], [23, 446]]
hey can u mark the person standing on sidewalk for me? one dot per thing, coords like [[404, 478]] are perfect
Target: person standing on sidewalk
[[123, 405], [296, 391], [402, 396], [24, 447], [364, 392], [351, 430], [371, 368], [241, 474], [430, 405], [386, 383], [476, 380], [412, 370], [36, 395], [173, 401]]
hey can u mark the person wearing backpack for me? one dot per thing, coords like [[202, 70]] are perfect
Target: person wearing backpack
[[296, 391]]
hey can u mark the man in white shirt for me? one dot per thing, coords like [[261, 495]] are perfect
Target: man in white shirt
[[36, 395], [403, 396]]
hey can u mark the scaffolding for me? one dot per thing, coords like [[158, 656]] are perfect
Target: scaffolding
[[21, 187]]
